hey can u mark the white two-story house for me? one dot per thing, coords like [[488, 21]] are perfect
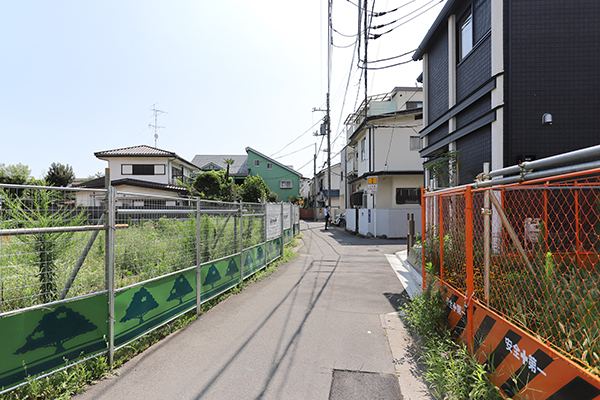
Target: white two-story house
[[140, 171], [383, 168]]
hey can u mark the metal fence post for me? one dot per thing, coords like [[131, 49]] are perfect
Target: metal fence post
[[423, 225], [486, 237], [469, 259], [265, 222], [241, 242], [282, 237], [110, 264], [440, 200], [198, 257]]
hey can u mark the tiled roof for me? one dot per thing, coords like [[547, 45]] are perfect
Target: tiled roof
[[239, 167], [137, 151], [98, 183], [141, 151]]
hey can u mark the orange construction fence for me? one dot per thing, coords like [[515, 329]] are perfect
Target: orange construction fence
[[520, 266]]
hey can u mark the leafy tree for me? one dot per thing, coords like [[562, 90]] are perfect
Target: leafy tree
[[17, 174], [229, 162], [55, 328], [94, 176], [272, 197], [294, 199], [212, 185], [60, 175], [253, 189]]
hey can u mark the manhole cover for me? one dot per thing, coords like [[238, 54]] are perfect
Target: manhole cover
[[360, 385]]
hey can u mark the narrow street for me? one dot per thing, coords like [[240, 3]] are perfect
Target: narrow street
[[314, 329]]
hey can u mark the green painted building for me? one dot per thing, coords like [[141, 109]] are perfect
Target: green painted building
[[280, 178]]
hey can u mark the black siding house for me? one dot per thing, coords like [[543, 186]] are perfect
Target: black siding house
[[493, 68]]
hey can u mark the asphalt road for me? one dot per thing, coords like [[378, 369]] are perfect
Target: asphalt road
[[314, 329]]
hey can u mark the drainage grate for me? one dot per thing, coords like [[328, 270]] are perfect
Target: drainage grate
[[361, 385]]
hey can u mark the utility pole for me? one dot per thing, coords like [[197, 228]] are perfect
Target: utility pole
[[155, 126], [328, 119], [315, 186]]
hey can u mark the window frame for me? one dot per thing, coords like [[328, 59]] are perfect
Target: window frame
[[412, 140], [465, 20], [363, 146], [137, 169], [256, 162], [269, 166], [283, 184], [404, 196]]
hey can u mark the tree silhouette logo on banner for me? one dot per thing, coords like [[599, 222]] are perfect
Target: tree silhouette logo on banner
[[213, 276], [141, 303], [181, 288], [232, 268], [260, 254], [249, 261], [55, 328]]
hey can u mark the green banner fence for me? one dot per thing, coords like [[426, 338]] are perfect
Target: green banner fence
[[84, 272]]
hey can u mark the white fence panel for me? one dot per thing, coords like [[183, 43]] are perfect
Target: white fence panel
[[273, 221]]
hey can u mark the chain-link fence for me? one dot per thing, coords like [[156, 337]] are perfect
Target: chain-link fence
[[529, 251], [45, 240], [73, 259]]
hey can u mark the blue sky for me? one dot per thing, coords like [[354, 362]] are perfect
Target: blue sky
[[81, 76]]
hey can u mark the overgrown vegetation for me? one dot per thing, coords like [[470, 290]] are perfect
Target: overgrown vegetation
[[41, 209], [558, 300], [72, 380], [452, 373]]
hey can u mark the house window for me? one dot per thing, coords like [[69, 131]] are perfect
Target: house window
[[256, 163], [269, 166], [408, 196], [415, 143], [412, 105], [363, 143], [143, 169], [465, 34], [285, 184]]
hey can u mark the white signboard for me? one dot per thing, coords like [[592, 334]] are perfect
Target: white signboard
[[372, 184]]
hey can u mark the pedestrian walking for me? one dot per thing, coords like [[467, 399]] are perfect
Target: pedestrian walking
[[326, 217]]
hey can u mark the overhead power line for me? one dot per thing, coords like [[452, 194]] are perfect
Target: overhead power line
[[308, 130], [377, 36]]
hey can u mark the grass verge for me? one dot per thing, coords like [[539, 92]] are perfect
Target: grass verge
[[72, 380], [452, 373]]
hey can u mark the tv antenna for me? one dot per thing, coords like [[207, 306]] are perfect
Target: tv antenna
[[156, 126]]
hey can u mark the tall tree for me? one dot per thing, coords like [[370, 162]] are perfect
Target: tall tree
[[229, 162], [253, 189], [212, 185], [60, 175], [17, 174]]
